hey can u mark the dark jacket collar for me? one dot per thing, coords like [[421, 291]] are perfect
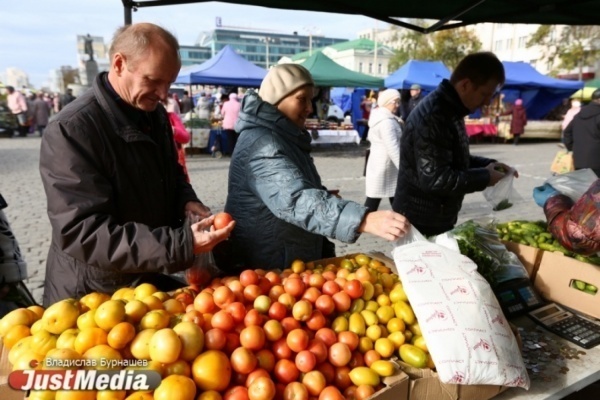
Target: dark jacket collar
[[123, 117], [449, 93], [256, 112]]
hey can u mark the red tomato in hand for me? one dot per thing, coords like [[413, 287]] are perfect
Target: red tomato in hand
[[222, 219]]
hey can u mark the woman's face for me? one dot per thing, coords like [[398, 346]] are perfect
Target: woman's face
[[297, 106], [393, 106]]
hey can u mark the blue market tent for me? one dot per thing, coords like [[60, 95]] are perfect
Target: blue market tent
[[225, 68], [427, 74], [540, 93]]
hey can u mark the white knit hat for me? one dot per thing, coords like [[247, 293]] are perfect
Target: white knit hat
[[387, 96], [283, 79]]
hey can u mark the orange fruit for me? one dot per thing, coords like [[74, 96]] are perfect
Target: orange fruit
[[140, 345], [120, 335], [175, 387], [88, 338], [14, 334], [211, 370], [164, 346], [109, 314]]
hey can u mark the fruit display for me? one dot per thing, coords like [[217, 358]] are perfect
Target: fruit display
[[535, 234], [311, 331]]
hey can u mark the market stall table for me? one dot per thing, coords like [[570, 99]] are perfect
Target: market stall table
[[556, 367], [481, 129], [336, 137]]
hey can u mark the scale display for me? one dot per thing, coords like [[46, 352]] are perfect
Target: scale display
[[517, 297]]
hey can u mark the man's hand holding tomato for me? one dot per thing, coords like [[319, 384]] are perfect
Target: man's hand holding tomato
[[208, 233]]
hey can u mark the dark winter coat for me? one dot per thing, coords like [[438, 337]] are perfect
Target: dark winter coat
[[281, 209], [582, 136], [116, 197], [436, 168]]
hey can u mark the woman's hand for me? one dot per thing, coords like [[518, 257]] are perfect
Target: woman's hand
[[386, 224]]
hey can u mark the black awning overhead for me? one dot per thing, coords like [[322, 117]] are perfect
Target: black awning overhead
[[448, 13]]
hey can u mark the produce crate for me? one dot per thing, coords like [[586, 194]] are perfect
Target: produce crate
[[6, 392], [554, 280], [529, 256], [424, 383]]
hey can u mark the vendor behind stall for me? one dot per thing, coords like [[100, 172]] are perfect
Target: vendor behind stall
[[275, 194]]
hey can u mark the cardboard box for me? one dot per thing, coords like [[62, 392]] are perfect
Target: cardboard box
[[529, 256], [554, 277], [6, 392], [424, 384]]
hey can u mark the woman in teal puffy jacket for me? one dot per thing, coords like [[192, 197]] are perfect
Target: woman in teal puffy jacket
[[282, 210]]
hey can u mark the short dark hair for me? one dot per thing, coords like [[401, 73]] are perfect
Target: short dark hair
[[479, 68], [10, 89]]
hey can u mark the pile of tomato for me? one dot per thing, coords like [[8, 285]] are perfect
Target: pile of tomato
[[312, 331]]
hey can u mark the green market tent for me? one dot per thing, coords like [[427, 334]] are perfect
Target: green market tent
[[448, 13], [584, 94], [594, 83], [326, 72]]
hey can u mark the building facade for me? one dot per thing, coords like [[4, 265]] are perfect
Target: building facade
[[263, 48], [360, 55], [16, 78]]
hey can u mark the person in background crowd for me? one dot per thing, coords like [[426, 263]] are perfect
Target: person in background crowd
[[49, 101], [518, 120], [186, 103], [436, 168], [382, 167], [13, 269], [40, 112], [17, 104], [282, 210], [403, 109], [172, 105], [230, 112], [181, 137], [204, 106], [66, 98], [365, 108], [582, 136], [56, 103], [117, 197], [571, 112], [415, 98], [576, 226]]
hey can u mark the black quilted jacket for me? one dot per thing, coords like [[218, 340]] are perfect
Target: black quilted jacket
[[436, 169]]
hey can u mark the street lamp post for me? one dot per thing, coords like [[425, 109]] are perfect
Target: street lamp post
[[266, 39]]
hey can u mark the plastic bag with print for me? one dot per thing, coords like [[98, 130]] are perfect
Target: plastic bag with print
[[455, 305]]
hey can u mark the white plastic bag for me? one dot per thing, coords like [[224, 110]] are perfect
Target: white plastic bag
[[454, 304], [573, 184], [503, 194]]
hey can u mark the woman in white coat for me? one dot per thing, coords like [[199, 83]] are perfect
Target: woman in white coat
[[384, 159]]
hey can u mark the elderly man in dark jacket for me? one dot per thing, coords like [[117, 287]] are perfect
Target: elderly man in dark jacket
[[582, 136], [436, 168], [117, 197]]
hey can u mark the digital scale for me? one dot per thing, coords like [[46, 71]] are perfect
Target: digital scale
[[517, 297]]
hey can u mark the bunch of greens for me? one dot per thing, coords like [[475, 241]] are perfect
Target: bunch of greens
[[479, 241]]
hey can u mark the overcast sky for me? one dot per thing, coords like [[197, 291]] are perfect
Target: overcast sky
[[39, 35]]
